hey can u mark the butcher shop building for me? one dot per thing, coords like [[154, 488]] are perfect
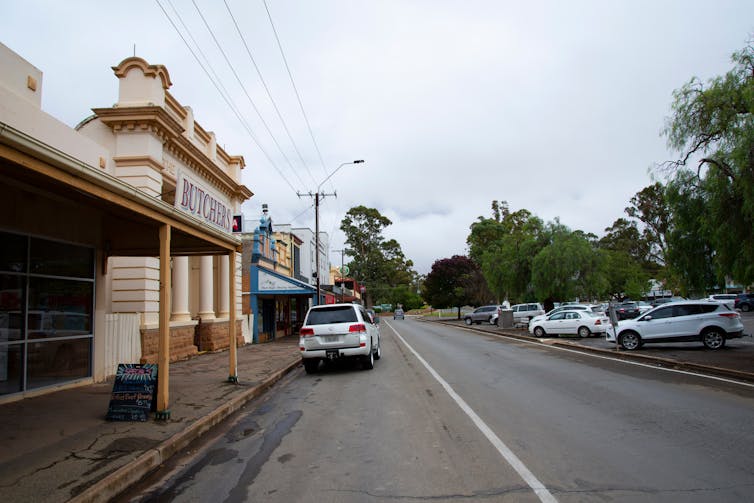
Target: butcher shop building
[[117, 239]]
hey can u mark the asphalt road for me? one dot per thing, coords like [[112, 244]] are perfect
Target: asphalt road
[[451, 415]]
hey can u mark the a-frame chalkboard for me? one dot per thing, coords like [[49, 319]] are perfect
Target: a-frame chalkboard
[[134, 392]]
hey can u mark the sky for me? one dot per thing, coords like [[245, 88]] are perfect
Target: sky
[[555, 107]]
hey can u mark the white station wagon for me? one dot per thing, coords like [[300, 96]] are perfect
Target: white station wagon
[[336, 331]]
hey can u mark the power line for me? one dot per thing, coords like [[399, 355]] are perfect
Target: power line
[[227, 100], [293, 83], [248, 96], [269, 94]]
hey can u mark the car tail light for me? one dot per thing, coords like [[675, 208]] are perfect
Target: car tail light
[[357, 327], [598, 322], [729, 315], [306, 332]]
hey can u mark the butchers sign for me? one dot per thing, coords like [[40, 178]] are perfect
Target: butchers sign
[[195, 198]]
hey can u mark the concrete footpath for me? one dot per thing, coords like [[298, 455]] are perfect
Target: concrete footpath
[[59, 447]]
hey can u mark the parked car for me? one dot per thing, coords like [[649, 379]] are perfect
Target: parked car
[[522, 313], [644, 306], [709, 322], [664, 300], [480, 314], [627, 310], [569, 321], [574, 307], [729, 299], [373, 315], [336, 331], [744, 302], [398, 314]]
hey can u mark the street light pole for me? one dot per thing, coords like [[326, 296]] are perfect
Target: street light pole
[[317, 196]]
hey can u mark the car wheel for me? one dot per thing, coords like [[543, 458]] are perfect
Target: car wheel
[[467, 320], [713, 338], [630, 341], [378, 353], [539, 332], [311, 366], [584, 332], [745, 308], [368, 362], [492, 322]]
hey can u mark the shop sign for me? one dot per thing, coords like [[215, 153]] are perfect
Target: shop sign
[[268, 282], [196, 199]]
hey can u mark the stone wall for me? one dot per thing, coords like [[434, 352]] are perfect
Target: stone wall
[[181, 344], [213, 336]]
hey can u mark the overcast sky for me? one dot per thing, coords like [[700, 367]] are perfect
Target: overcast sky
[[555, 106]]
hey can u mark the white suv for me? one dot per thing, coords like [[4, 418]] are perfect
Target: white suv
[[707, 321], [335, 331], [522, 313]]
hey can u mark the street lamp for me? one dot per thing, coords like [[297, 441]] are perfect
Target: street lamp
[[316, 218]]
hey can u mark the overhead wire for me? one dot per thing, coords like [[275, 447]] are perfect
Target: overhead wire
[[300, 102], [267, 90], [227, 99], [246, 92], [295, 89]]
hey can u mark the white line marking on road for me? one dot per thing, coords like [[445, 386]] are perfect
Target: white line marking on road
[[619, 360], [539, 489]]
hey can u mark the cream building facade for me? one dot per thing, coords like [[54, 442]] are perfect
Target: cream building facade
[[120, 246]]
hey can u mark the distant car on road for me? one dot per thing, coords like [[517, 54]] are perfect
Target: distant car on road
[[398, 314], [706, 321], [578, 322]]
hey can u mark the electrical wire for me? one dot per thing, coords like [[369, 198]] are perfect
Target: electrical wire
[[227, 100], [246, 92], [293, 83], [269, 94]]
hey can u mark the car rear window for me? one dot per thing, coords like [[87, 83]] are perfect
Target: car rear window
[[335, 314]]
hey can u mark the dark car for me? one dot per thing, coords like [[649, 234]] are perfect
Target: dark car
[[627, 310], [744, 302]]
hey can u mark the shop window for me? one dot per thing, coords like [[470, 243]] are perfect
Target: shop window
[[13, 252], [46, 312], [61, 259]]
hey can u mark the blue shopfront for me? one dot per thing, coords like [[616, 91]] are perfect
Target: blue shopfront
[[278, 302]]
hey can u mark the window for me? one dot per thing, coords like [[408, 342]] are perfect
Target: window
[[663, 312], [337, 314], [46, 312]]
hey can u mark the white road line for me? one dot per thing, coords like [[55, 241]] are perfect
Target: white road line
[[619, 360], [539, 489]]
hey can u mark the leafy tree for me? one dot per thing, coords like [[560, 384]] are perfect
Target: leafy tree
[[649, 207], [564, 268], [713, 125], [503, 246], [691, 256], [378, 263], [455, 282]]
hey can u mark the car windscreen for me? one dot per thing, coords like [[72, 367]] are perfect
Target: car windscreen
[[335, 314]]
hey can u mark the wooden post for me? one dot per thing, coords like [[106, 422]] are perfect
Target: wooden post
[[233, 373], [163, 350]]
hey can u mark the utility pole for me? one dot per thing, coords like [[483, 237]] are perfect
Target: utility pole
[[317, 196]]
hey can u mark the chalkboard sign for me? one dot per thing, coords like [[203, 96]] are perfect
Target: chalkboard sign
[[134, 392]]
